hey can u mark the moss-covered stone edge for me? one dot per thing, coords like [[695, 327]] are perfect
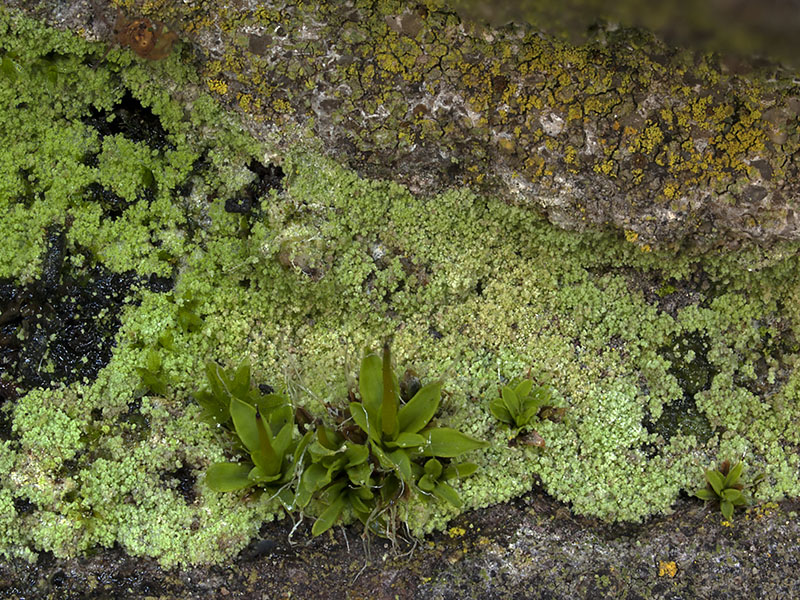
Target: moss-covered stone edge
[[676, 147]]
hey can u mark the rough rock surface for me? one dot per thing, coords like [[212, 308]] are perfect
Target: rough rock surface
[[672, 147], [532, 548]]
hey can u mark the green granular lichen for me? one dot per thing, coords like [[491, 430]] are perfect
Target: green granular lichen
[[473, 290]]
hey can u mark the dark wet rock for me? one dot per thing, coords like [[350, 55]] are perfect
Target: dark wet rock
[[131, 119], [67, 319]]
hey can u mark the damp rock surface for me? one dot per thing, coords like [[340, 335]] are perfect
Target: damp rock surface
[[530, 548]]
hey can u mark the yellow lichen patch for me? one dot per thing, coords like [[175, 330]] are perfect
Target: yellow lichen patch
[[455, 532], [575, 112], [282, 106], [761, 511], [670, 191], [606, 168], [668, 568], [244, 101], [647, 142], [217, 85]]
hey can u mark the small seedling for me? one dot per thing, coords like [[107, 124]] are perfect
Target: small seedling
[[519, 405], [723, 486], [152, 374], [433, 477], [188, 319]]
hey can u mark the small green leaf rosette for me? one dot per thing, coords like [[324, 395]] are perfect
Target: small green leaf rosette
[[433, 479], [264, 425], [520, 403], [724, 487], [400, 434]]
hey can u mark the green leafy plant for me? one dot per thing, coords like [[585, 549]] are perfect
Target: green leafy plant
[[10, 67], [520, 403], [397, 434], [365, 468], [274, 451], [723, 487], [222, 386], [151, 374], [433, 477], [396, 437], [333, 458], [338, 496], [43, 70], [265, 427], [340, 476], [188, 319]]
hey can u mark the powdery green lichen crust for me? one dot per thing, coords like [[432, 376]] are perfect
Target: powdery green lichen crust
[[473, 290]]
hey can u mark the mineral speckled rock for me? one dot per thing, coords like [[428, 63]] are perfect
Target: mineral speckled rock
[[673, 147]]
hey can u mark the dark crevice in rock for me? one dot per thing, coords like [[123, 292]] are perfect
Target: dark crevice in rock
[[266, 178], [131, 119]]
